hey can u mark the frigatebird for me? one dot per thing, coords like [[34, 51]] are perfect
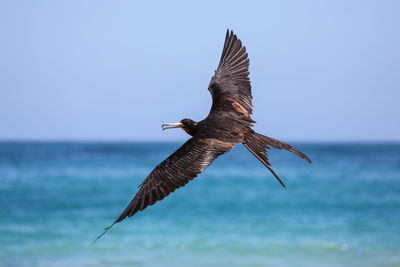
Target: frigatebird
[[227, 124]]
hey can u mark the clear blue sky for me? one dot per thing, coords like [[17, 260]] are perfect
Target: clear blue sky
[[116, 70]]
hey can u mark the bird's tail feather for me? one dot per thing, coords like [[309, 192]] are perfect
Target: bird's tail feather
[[258, 145], [269, 141]]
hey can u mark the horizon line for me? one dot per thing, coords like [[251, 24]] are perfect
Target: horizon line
[[93, 140]]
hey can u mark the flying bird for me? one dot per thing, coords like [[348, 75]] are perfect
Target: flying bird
[[227, 124]]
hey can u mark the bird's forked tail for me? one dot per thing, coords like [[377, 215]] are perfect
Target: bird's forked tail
[[258, 145]]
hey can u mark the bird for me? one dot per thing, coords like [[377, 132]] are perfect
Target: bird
[[227, 124]]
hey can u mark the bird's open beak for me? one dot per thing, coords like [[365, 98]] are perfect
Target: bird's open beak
[[166, 126]]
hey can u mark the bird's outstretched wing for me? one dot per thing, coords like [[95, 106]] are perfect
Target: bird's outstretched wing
[[231, 92], [230, 86], [174, 172]]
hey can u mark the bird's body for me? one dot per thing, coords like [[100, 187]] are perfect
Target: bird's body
[[227, 124]]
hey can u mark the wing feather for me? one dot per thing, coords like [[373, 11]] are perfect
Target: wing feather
[[175, 172], [230, 86]]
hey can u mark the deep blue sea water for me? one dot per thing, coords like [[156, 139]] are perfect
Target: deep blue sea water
[[342, 210]]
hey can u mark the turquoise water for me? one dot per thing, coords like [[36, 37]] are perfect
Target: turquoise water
[[342, 210]]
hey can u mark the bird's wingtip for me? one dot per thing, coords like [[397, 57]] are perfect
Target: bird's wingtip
[[105, 231], [229, 32]]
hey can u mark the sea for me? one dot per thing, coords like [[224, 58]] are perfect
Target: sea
[[341, 210]]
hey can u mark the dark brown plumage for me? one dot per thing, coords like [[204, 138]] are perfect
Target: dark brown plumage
[[227, 124]]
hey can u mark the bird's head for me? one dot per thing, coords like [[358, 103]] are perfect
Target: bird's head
[[188, 125]]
